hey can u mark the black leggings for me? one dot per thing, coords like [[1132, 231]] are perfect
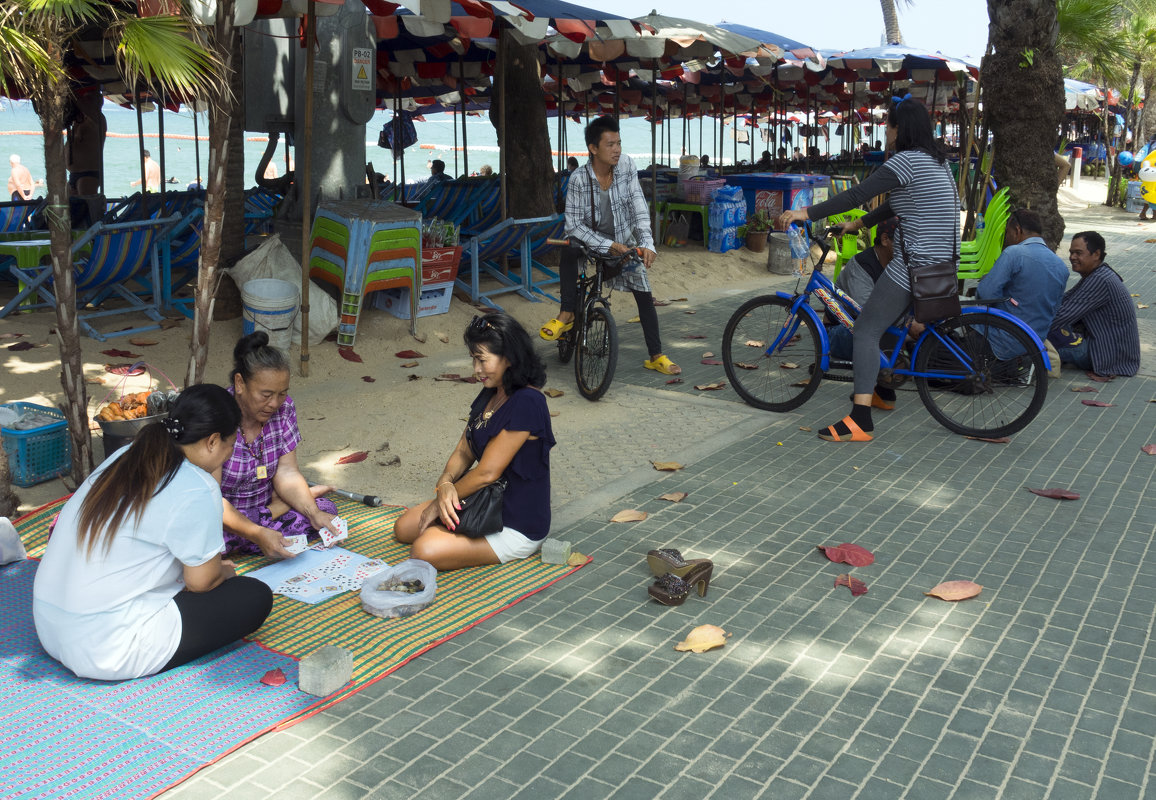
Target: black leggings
[[568, 288], [215, 618]]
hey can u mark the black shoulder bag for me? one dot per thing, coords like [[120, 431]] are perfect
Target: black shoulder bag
[[934, 287], [481, 512]]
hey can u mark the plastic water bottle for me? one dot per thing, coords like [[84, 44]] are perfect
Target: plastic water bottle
[[799, 249]]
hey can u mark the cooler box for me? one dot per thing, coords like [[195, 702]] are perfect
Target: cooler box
[[774, 191]]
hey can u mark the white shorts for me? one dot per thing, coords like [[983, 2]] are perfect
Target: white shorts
[[510, 545]]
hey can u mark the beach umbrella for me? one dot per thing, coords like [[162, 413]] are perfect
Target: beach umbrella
[[898, 62], [774, 41], [1080, 96]]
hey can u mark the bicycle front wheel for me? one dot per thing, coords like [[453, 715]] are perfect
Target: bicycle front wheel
[[771, 354], [595, 352], [967, 389]]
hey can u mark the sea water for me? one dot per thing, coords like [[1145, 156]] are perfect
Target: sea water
[[20, 133]]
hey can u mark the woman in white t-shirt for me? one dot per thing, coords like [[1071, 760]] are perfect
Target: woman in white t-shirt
[[132, 582]]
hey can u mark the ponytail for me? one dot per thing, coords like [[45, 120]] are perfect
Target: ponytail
[[125, 488]]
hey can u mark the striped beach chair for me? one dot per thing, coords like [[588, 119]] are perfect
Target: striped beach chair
[[511, 240]]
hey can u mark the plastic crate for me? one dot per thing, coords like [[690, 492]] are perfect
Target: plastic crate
[[439, 264], [699, 190], [433, 300], [38, 454]]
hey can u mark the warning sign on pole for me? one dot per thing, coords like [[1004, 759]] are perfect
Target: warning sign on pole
[[363, 68]]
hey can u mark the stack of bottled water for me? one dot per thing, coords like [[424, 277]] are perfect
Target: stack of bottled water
[[728, 210]]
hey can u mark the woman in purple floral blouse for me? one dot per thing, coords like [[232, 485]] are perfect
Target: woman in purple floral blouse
[[266, 496]]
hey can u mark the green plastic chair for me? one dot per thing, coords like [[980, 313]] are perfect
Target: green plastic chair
[[847, 246]]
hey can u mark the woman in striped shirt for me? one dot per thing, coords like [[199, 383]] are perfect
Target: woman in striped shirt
[[923, 196]]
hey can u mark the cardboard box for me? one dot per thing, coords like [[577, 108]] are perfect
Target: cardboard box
[[434, 299]]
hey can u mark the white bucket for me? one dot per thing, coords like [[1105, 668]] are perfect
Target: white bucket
[[270, 305]]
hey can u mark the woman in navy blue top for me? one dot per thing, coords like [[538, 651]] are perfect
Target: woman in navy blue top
[[509, 437]]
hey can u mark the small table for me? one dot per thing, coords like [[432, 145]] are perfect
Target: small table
[[28, 253]]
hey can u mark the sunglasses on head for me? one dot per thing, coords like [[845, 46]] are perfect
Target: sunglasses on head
[[480, 323]]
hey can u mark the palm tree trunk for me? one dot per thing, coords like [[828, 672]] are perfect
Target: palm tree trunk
[[1024, 101], [527, 148], [891, 22], [221, 113], [64, 281], [1114, 182]]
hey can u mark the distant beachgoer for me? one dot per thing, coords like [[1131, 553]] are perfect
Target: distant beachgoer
[[195, 186], [152, 172], [571, 163], [271, 170], [704, 161], [486, 170], [20, 183]]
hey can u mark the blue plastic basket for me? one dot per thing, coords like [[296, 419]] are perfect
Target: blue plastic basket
[[38, 454]]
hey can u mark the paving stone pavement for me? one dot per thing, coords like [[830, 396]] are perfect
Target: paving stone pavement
[[1042, 687]]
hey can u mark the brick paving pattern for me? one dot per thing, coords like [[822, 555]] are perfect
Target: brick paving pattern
[[1043, 686]]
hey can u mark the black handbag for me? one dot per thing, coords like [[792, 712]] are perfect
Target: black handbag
[[934, 287], [481, 512]]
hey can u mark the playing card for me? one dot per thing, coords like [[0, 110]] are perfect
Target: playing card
[[328, 538], [296, 544]]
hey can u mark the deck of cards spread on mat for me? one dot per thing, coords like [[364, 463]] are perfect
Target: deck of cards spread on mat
[[316, 575]]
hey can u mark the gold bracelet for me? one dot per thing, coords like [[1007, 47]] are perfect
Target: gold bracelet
[[440, 485]]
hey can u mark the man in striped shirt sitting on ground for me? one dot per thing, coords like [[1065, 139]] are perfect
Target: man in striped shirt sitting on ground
[[1095, 325]]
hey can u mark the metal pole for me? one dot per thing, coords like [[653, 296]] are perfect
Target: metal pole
[[306, 184], [197, 146], [161, 145], [454, 125], [502, 140], [654, 150]]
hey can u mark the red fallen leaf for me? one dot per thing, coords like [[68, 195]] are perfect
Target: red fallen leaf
[[16, 348], [1100, 378], [674, 380], [407, 354], [114, 353], [1084, 389], [996, 440], [711, 362], [124, 369], [955, 590], [1055, 494], [369, 379], [848, 553], [453, 376], [274, 677], [695, 336], [856, 586], [353, 458], [348, 354], [1150, 449], [1097, 403]]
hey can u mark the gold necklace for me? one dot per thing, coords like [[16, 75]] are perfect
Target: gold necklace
[[485, 417]]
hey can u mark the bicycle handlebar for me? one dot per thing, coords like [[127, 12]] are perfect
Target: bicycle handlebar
[[612, 260]]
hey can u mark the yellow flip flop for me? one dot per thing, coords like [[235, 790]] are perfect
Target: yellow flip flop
[[553, 329], [664, 365]]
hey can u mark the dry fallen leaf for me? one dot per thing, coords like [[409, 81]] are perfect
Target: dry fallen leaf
[[11, 335], [369, 378], [414, 377], [553, 392], [274, 677], [847, 553], [576, 559], [695, 336], [755, 343], [703, 638], [711, 362], [1135, 295], [443, 338], [166, 324], [420, 337], [661, 302], [411, 364], [710, 387], [708, 354], [856, 586], [804, 428], [674, 380], [1097, 403], [1141, 305], [1055, 494], [348, 354], [690, 311], [1150, 449], [666, 466], [678, 300], [993, 440], [955, 590], [1084, 389], [453, 376], [789, 365], [745, 365], [16, 348], [629, 515], [353, 458], [678, 497], [1099, 378], [114, 353], [407, 354], [142, 342], [555, 413]]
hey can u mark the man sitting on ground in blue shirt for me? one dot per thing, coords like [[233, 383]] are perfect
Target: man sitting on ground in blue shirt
[[1095, 325], [1028, 277]]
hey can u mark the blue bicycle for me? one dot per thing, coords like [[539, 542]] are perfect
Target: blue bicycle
[[776, 351]]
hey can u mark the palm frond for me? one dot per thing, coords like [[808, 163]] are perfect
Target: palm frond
[[169, 55]]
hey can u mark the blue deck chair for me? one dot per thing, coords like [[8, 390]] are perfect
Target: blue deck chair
[[120, 252], [512, 239], [179, 246], [15, 216], [260, 204], [487, 210]]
